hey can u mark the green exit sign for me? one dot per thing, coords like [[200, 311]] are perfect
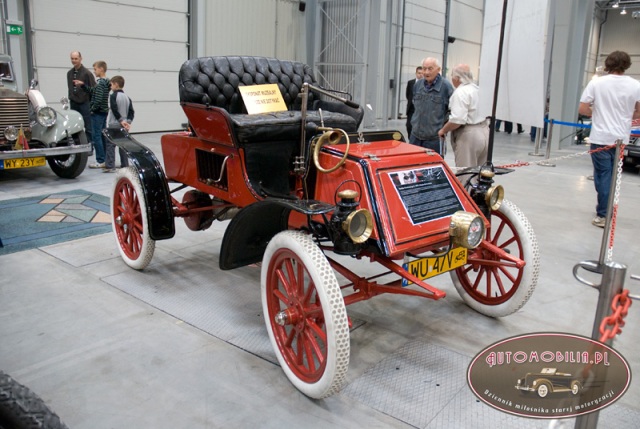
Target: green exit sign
[[14, 29]]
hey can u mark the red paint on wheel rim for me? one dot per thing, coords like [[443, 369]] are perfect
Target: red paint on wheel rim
[[303, 341], [129, 229]]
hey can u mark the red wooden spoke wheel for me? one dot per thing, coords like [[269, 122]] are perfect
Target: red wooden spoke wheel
[[129, 219], [305, 314], [493, 285]]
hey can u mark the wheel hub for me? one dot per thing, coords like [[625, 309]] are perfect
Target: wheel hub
[[288, 316]]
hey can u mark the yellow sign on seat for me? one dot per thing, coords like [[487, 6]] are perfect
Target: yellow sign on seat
[[262, 98]]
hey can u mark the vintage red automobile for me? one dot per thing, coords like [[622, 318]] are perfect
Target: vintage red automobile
[[302, 185]]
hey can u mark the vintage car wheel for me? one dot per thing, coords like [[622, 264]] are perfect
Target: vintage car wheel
[[576, 387], [305, 314], [493, 286], [543, 389], [129, 219], [20, 408], [72, 165]]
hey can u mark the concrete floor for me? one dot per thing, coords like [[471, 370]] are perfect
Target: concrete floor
[[182, 345]]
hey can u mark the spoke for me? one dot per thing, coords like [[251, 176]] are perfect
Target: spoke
[[308, 294], [299, 353], [285, 282], [498, 281], [317, 330], [488, 262], [290, 337], [136, 242], [494, 240], [476, 284], [508, 274], [300, 280], [308, 343], [137, 226], [508, 242], [290, 284], [127, 196], [314, 347], [281, 297], [467, 268]]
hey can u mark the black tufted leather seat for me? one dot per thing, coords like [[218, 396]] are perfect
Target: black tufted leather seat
[[214, 81]]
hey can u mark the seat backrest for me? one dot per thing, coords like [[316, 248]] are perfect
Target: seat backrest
[[214, 81]]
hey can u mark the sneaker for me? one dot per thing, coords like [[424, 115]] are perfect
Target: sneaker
[[97, 165], [109, 170], [599, 221]]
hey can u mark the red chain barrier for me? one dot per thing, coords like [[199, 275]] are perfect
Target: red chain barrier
[[620, 306], [526, 163]]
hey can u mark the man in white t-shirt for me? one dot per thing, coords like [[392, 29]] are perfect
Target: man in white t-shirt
[[612, 101], [470, 137]]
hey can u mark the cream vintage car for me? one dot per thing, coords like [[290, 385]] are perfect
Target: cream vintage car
[[33, 134]]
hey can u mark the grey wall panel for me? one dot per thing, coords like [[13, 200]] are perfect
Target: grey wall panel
[[254, 27], [144, 41], [119, 54], [109, 19], [621, 33]]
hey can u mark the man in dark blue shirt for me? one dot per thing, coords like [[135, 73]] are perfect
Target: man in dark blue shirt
[[431, 101]]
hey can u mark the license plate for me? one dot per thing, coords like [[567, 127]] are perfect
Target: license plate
[[9, 164], [431, 266], [626, 152]]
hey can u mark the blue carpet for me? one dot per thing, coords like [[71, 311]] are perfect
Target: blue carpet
[[27, 223]]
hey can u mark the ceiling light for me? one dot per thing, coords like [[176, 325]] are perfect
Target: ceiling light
[[623, 11], [615, 5]]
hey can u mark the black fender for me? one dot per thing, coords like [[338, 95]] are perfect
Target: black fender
[[249, 232], [153, 180]]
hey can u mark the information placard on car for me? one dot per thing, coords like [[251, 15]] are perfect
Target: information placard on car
[[426, 193]]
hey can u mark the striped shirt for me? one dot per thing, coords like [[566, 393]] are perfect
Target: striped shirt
[[100, 96]]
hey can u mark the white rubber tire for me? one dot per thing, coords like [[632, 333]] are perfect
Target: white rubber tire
[[293, 254], [129, 219], [516, 223]]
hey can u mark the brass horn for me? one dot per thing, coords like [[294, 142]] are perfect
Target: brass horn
[[331, 136]]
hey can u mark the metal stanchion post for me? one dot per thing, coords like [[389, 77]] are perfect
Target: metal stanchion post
[[613, 275], [536, 149], [548, 151]]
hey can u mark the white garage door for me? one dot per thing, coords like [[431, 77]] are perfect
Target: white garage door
[[145, 41]]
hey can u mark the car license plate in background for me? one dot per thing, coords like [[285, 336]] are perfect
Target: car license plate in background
[[23, 163], [431, 266]]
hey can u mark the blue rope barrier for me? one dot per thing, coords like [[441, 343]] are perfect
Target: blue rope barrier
[[571, 124], [579, 125]]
